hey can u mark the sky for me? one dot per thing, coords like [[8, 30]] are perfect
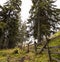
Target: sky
[[25, 7]]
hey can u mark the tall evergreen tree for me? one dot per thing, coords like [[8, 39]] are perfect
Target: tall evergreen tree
[[10, 15], [2, 33], [3, 26], [44, 16], [13, 7]]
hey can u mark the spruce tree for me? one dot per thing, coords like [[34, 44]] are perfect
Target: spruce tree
[[44, 16], [10, 14]]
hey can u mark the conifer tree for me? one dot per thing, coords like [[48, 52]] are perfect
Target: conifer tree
[[44, 16], [10, 15]]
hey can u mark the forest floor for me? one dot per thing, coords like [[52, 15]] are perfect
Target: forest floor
[[21, 56], [18, 55]]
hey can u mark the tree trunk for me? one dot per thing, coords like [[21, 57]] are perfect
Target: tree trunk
[[39, 31]]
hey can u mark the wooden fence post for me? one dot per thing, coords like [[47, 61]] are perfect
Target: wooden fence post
[[49, 54], [35, 47], [28, 48]]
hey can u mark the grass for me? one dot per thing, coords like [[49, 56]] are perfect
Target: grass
[[4, 54], [31, 56], [55, 42], [56, 35]]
